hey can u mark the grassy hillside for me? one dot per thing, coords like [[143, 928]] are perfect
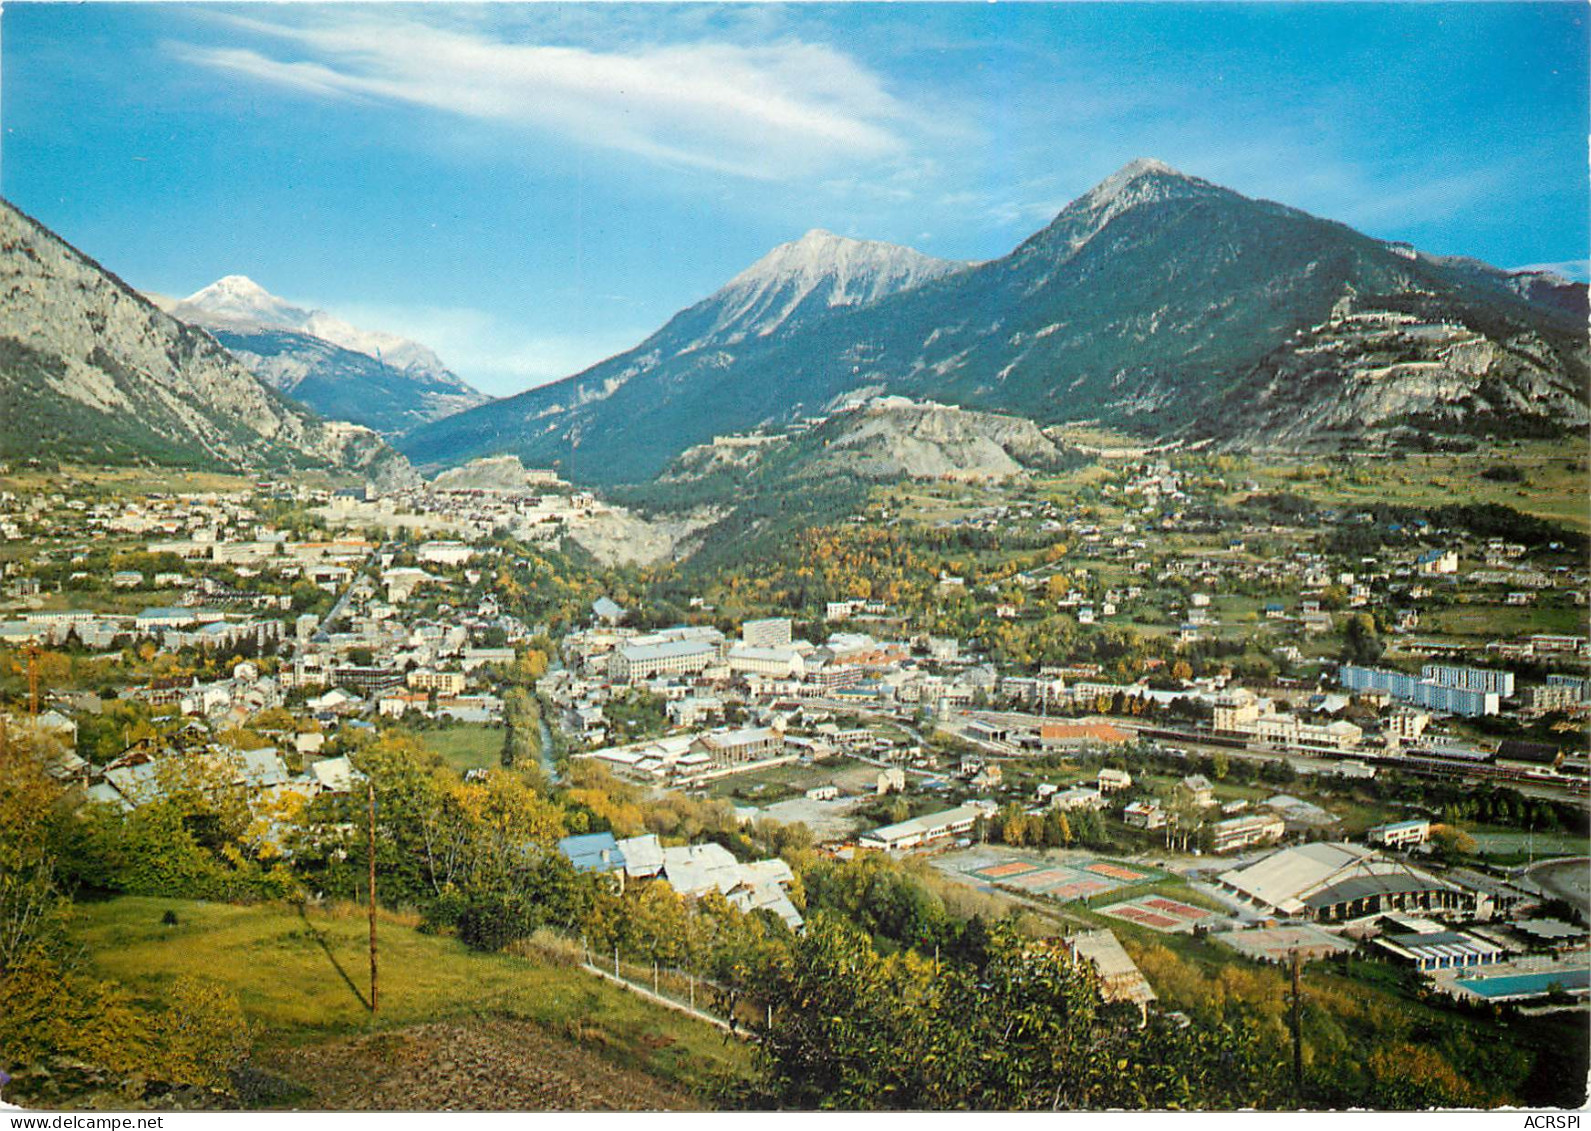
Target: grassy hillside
[[303, 980], [1546, 479]]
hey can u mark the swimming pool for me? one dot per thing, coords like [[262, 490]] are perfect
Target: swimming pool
[[1512, 985]]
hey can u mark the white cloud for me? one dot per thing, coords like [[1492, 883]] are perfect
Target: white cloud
[[769, 112]]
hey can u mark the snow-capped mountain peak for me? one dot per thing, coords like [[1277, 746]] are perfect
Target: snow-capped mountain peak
[[238, 303], [819, 268], [239, 298], [1132, 171], [1143, 181], [325, 361]]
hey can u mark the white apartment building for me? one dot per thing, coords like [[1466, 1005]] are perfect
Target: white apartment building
[[630, 663], [770, 632]]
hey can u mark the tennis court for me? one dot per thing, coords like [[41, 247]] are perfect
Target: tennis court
[[1279, 944], [1175, 907], [1135, 914], [1043, 880], [1157, 912], [1116, 872], [1075, 879], [1078, 889], [1005, 871]]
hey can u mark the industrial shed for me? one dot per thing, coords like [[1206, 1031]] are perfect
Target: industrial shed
[[1338, 881]]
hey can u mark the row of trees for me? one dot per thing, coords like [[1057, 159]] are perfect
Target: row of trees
[[1052, 828], [521, 729]]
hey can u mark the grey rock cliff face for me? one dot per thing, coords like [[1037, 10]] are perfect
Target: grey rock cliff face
[[498, 473], [885, 439], [1376, 373], [927, 441], [94, 353]]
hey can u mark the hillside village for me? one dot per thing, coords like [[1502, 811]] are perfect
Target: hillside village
[[247, 638]]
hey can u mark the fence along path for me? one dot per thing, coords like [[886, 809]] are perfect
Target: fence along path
[[663, 999]]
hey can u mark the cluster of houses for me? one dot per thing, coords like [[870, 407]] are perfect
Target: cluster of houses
[[530, 504], [691, 870], [275, 781]]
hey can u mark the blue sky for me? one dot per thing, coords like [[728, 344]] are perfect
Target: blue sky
[[530, 188]]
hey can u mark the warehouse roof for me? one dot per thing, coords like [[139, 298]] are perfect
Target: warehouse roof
[[1443, 944], [926, 826], [1382, 883], [745, 736], [1281, 879], [668, 649], [1533, 753]]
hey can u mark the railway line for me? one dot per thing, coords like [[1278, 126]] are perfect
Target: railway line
[[1544, 783]]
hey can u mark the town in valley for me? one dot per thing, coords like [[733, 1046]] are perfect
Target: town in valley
[[1141, 665]]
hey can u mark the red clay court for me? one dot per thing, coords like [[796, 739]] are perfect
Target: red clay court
[[1172, 907], [1001, 871], [1143, 918], [1116, 872], [1157, 913]]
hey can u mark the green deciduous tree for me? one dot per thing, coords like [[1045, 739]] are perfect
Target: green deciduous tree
[[1025, 1029]]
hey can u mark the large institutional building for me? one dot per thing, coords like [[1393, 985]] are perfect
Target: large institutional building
[[1333, 882], [1423, 692], [1470, 679], [633, 662], [773, 632]]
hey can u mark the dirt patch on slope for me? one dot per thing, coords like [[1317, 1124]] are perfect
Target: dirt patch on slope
[[475, 1065]]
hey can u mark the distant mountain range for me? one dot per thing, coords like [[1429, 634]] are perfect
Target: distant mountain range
[[1156, 302], [366, 377], [91, 371]]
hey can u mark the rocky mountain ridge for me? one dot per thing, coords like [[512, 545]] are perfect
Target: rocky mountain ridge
[[794, 284], [91, 371], [820, 271], [885, 438], [1156, 302], [383, 381]]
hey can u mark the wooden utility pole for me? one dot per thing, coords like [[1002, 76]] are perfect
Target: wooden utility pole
[[375, 1000], [1297, 1026], [33, 681]]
